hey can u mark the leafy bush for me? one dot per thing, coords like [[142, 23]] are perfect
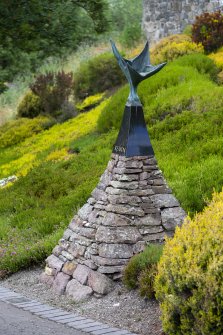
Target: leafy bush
[[169, 48], [189, 282], [16, 131], [53, 90], [30, 106], [208, 30], [144, 261], [202, 63], [97, 75]]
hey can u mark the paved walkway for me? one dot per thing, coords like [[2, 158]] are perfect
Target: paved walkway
[[22, 316]]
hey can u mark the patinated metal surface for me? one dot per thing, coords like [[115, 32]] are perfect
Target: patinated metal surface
[[133, 138]]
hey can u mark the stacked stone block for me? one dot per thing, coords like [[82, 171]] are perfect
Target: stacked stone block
[[131, 207], [163, 18]]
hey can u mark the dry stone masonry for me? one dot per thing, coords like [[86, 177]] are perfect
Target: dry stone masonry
[[131, 207], [162, 18]]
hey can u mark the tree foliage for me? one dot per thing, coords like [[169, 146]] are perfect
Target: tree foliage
[[35, 29]]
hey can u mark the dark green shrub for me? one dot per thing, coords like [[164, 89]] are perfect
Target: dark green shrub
[[208, 30], [190, 275], [97, 75], [138, 263], [30, 106], [53, 90]]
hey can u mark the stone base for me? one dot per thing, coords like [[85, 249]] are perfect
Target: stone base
[[131, 207]]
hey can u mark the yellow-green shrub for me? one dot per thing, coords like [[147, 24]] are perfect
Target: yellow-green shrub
[[30, 106], [90, 102], [174, 46], [217, 58], [16, 131], [189, 284]]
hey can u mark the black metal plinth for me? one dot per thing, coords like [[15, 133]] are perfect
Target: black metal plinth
[[133, 138]]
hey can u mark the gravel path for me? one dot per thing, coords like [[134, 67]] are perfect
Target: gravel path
[[121, 308]]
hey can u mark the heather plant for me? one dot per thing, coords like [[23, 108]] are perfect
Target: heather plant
[[141, 267], [190, 275], [208, 30]]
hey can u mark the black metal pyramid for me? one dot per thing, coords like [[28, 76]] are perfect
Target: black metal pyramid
[[133, 138]]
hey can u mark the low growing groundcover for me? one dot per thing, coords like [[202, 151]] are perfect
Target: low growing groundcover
[[59, 167]]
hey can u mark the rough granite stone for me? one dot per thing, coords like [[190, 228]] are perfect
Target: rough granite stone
[[77, 291], [85, 211], [124, 199], [111, 190], [50, 271], [114, 220], [60, 282], [115, 250], [67, 255], [172, 217], [77, 250], [100, 283], [69, 268], [117, 234], [164, 200], [109, 261], [127, 185], [150, 230], [57, 250], [127, 177], [125, 209], [81, 274], [99, 194], [149, 220], [54, 262], [111, 269]]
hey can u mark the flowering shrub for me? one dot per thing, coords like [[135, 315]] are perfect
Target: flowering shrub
[[208, 30], [173, 47], [217, 58], [190, 275]]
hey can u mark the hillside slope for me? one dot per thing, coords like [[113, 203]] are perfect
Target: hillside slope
[[57, 168]]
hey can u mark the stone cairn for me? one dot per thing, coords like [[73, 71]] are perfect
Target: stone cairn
[[131, 207]]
